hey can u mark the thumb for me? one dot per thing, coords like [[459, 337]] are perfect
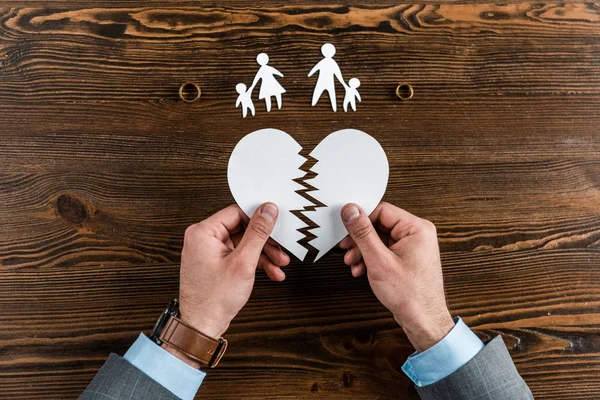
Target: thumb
[[257, 233], [361, 230]]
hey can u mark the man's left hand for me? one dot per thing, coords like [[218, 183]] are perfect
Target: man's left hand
[[218, 264]]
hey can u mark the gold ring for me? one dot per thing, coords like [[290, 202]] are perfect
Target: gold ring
[[403, 89], [189, 92]]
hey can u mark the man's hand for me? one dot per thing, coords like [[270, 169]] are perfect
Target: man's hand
[[400, 254], [218, 264]]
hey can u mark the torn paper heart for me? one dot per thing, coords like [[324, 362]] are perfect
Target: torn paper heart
[[265, 166]]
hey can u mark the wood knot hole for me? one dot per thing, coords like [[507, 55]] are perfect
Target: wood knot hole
[[71, 209], [495, 15]]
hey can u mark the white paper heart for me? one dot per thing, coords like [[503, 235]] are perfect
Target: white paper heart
[[351, 168]]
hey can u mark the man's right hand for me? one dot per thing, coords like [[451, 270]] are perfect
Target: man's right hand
[[401, 256]]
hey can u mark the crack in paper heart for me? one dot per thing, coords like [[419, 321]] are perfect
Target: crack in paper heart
[[347, 166], [307, 188]]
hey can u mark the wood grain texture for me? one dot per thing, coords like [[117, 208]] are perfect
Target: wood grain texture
[[102, 169]]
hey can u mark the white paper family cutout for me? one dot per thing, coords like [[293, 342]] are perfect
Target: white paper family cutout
[[328, 70], [351, 167], [269, 87]]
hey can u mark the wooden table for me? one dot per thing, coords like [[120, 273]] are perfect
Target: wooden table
[[102, 168]]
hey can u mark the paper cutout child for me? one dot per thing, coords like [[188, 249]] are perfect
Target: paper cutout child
[[244, 99], [269, 86], [328, 70], [352, 94]]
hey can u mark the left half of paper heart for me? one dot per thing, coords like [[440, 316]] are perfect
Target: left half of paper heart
[[262, 167]]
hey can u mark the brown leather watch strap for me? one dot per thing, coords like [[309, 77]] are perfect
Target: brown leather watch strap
[[194, 344]]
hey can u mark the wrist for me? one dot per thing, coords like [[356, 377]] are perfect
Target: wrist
[[196, 342], [427, 332], [211, 329], [201, 321]]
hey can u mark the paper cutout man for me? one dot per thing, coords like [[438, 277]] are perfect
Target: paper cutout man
[[352, 94], [244, 99], [269, 86], [328, 69]]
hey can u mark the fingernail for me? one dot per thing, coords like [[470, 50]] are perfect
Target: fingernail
[[350, 214], [269, 212]]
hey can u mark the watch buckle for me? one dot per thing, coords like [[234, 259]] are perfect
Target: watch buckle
[[219, 353]]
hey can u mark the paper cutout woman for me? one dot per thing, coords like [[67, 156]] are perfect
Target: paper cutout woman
[[328, 69], [269, 86]]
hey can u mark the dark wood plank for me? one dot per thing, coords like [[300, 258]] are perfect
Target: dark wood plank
[[82, 218], [102, 168], [65, 320], [301, 6], [142, 54]]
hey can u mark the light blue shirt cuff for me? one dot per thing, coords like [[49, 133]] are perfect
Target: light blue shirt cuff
[[164, 368], [456, 349]]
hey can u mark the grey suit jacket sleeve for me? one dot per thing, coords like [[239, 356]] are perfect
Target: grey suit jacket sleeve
[[117, 379], [490, 375]]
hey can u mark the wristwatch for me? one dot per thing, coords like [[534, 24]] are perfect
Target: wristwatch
[[173, 332]]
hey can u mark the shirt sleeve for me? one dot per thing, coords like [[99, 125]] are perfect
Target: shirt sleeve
[[456, 349], [164, 368]]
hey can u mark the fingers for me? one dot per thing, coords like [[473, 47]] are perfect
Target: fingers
[[276, 254], [257, 233], [347, 243], [272, 259], [272, 250], [225, 222], [272, 270], [390, 222], [352, 256], [358, 269], [361, 230], [395, 221]]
